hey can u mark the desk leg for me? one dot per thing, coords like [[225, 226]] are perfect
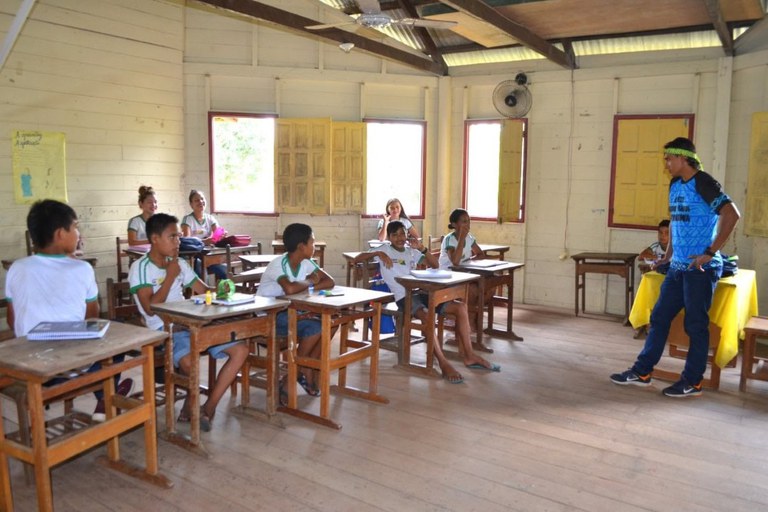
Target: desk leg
[[479, 311], [40, 447], [6, 498], [151, 471], [191, 443], [404, 354], [325, 366]]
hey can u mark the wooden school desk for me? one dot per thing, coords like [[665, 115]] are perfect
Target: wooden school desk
[[617, 263], [494, 274], [208, 326], [439, 291], [494, 251], [251, 261], [335, 311], [734, 302], [36, 362]]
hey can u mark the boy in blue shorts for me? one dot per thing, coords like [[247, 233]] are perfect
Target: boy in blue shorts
[[397, 259], [51, 286], [160, 276], [295, 272]]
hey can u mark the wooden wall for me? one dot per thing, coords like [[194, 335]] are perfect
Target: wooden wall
[[131, 82]]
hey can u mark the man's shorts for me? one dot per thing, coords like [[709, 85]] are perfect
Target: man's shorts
[[306, 327], [181, 347], [419, 301]]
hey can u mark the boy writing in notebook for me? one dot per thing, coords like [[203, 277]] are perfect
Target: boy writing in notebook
[[397, 259], [160, 276], [51, 286], [295, 272]]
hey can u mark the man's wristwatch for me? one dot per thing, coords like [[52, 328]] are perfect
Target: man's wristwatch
[[709, 252]]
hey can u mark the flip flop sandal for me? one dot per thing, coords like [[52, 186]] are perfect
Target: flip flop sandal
[[205, 421], [302, 380]]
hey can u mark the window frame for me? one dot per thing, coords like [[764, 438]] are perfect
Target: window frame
[[617, 118], [421, 214], [524, 170], [211, 178]]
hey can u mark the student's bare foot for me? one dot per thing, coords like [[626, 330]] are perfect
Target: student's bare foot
[[454, 377], [185, 413], [450, 374], [478, 363]]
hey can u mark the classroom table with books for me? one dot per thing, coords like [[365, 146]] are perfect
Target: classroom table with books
[[212, 325], [33, 363], [495, 274], [338, 308], [439, 290]]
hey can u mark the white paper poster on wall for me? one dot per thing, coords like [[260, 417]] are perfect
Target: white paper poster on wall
[[39, 166]]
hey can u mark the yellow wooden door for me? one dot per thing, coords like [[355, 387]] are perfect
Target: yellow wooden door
[[510, 170], [302, 166], [756, 212], [641, 182], [349, 158]]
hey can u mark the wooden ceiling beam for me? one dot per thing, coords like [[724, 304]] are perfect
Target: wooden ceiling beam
[[485, 12], [423, 33], [294, 21], [715, 12]]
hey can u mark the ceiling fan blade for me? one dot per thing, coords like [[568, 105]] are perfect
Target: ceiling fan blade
[[417, 22], [329, 25]]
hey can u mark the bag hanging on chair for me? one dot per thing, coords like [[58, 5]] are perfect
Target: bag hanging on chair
[[234, 241]]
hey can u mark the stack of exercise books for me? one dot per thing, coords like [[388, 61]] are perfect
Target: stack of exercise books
[[78, 330]]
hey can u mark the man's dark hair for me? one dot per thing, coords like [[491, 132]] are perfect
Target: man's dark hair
[[45, 217], [393, 226], [664, 223], [687, 144], [157, 223], [295, 234]]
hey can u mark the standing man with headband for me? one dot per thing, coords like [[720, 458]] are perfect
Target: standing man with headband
[[702, 219]]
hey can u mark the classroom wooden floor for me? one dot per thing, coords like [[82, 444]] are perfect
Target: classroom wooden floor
[[550, 432]]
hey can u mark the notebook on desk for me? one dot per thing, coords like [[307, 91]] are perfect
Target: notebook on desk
[[77, 330], [236, 299], [482, 263], [432, 273]]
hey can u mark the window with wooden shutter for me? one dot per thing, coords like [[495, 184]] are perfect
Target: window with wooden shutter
[[303, 166], [348, 159], [639, 180]]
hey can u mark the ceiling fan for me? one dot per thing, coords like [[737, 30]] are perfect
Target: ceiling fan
[[372, 17]]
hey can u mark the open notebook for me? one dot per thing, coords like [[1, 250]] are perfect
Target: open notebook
[[482, 263], [235, 299], [432, 273], [77, 330]]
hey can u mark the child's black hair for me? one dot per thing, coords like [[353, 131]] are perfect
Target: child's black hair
[[295, 234], [45, 217], [393, 226], [455, 216], [157, 223], [664, 224]]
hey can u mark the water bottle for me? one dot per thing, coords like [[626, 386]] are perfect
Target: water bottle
[[311, 289]]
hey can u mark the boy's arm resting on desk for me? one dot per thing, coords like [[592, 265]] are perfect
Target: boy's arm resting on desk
[[366, 256], [319, 279]]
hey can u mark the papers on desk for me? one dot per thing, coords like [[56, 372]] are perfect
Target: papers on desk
[[482, 263], [432, 273], [236, 299], [77, 330]]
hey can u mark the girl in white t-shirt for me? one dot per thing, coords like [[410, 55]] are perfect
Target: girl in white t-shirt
[[395, 211], [137, 226]]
